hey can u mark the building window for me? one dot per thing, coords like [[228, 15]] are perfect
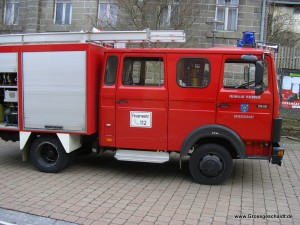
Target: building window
[[169, 14], [141, 71], [227, 12], [63, 12], [11, 12], [107, 14], [193, 72]]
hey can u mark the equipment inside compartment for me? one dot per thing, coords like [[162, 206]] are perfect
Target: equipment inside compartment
[[8, 100]]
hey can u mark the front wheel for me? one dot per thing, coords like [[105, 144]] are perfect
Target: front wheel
[[210, 164], [48, 155]]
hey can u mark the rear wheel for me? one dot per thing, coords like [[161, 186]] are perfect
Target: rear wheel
[[48, 155], [210, 164]]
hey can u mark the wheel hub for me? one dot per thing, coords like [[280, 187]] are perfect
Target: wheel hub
[[49, 154], [211, 165]]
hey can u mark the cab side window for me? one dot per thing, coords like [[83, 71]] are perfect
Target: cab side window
[[111, 70], [193, 72], [147, 71], [241, 74]]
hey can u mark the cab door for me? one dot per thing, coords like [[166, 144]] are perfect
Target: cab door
[[142, 102], [108, 101], [238, 107]]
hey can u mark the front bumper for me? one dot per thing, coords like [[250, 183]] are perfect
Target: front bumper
[[277, 153]]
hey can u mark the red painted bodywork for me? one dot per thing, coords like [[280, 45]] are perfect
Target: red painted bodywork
[[176, 111], [94, 59]]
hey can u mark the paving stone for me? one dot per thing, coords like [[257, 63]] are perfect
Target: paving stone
[[13, 217], [105, 191]]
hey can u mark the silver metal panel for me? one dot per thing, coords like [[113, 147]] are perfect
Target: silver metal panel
[[119, 36], [55, 37], [104, 37], [142, 156], [8, 62], [10, 38], [54, 88], [167, 36]]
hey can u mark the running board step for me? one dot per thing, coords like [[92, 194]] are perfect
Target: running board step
[[142, 156]]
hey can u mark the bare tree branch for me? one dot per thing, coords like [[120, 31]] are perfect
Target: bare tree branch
[[152, 14], [280, 25]]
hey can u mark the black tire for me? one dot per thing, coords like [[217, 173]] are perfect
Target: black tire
[[48, 155], [210, 164]]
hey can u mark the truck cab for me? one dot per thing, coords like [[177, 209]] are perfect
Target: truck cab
[[213, 104]]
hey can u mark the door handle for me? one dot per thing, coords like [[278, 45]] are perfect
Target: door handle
[[223, 105], [122, 101]]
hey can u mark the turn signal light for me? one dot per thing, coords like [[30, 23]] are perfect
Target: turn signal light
[[280, 152], [108, 139]]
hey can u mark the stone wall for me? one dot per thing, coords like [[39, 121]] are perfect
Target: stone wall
[[38, 16], [83, 16], [249, 17]]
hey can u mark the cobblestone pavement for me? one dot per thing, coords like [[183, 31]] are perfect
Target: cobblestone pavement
[[9, 217], [105, 191]]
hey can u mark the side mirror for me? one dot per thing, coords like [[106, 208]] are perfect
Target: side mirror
[[246, 74], [259, 75]]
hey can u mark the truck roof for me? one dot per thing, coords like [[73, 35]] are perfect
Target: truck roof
[[70, 46], [214, 50]]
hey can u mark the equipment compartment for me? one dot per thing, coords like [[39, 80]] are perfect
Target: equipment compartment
[[9, 90]]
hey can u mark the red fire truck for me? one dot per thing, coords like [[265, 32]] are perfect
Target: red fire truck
[[64, 93]]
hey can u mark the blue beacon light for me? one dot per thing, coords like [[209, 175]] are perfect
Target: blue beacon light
[[239, 43], [248, 39]]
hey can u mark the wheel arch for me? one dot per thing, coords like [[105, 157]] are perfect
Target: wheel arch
[[70, 142], [215, 133]]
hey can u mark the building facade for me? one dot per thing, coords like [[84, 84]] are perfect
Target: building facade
[[288, 7], [225, 20]]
